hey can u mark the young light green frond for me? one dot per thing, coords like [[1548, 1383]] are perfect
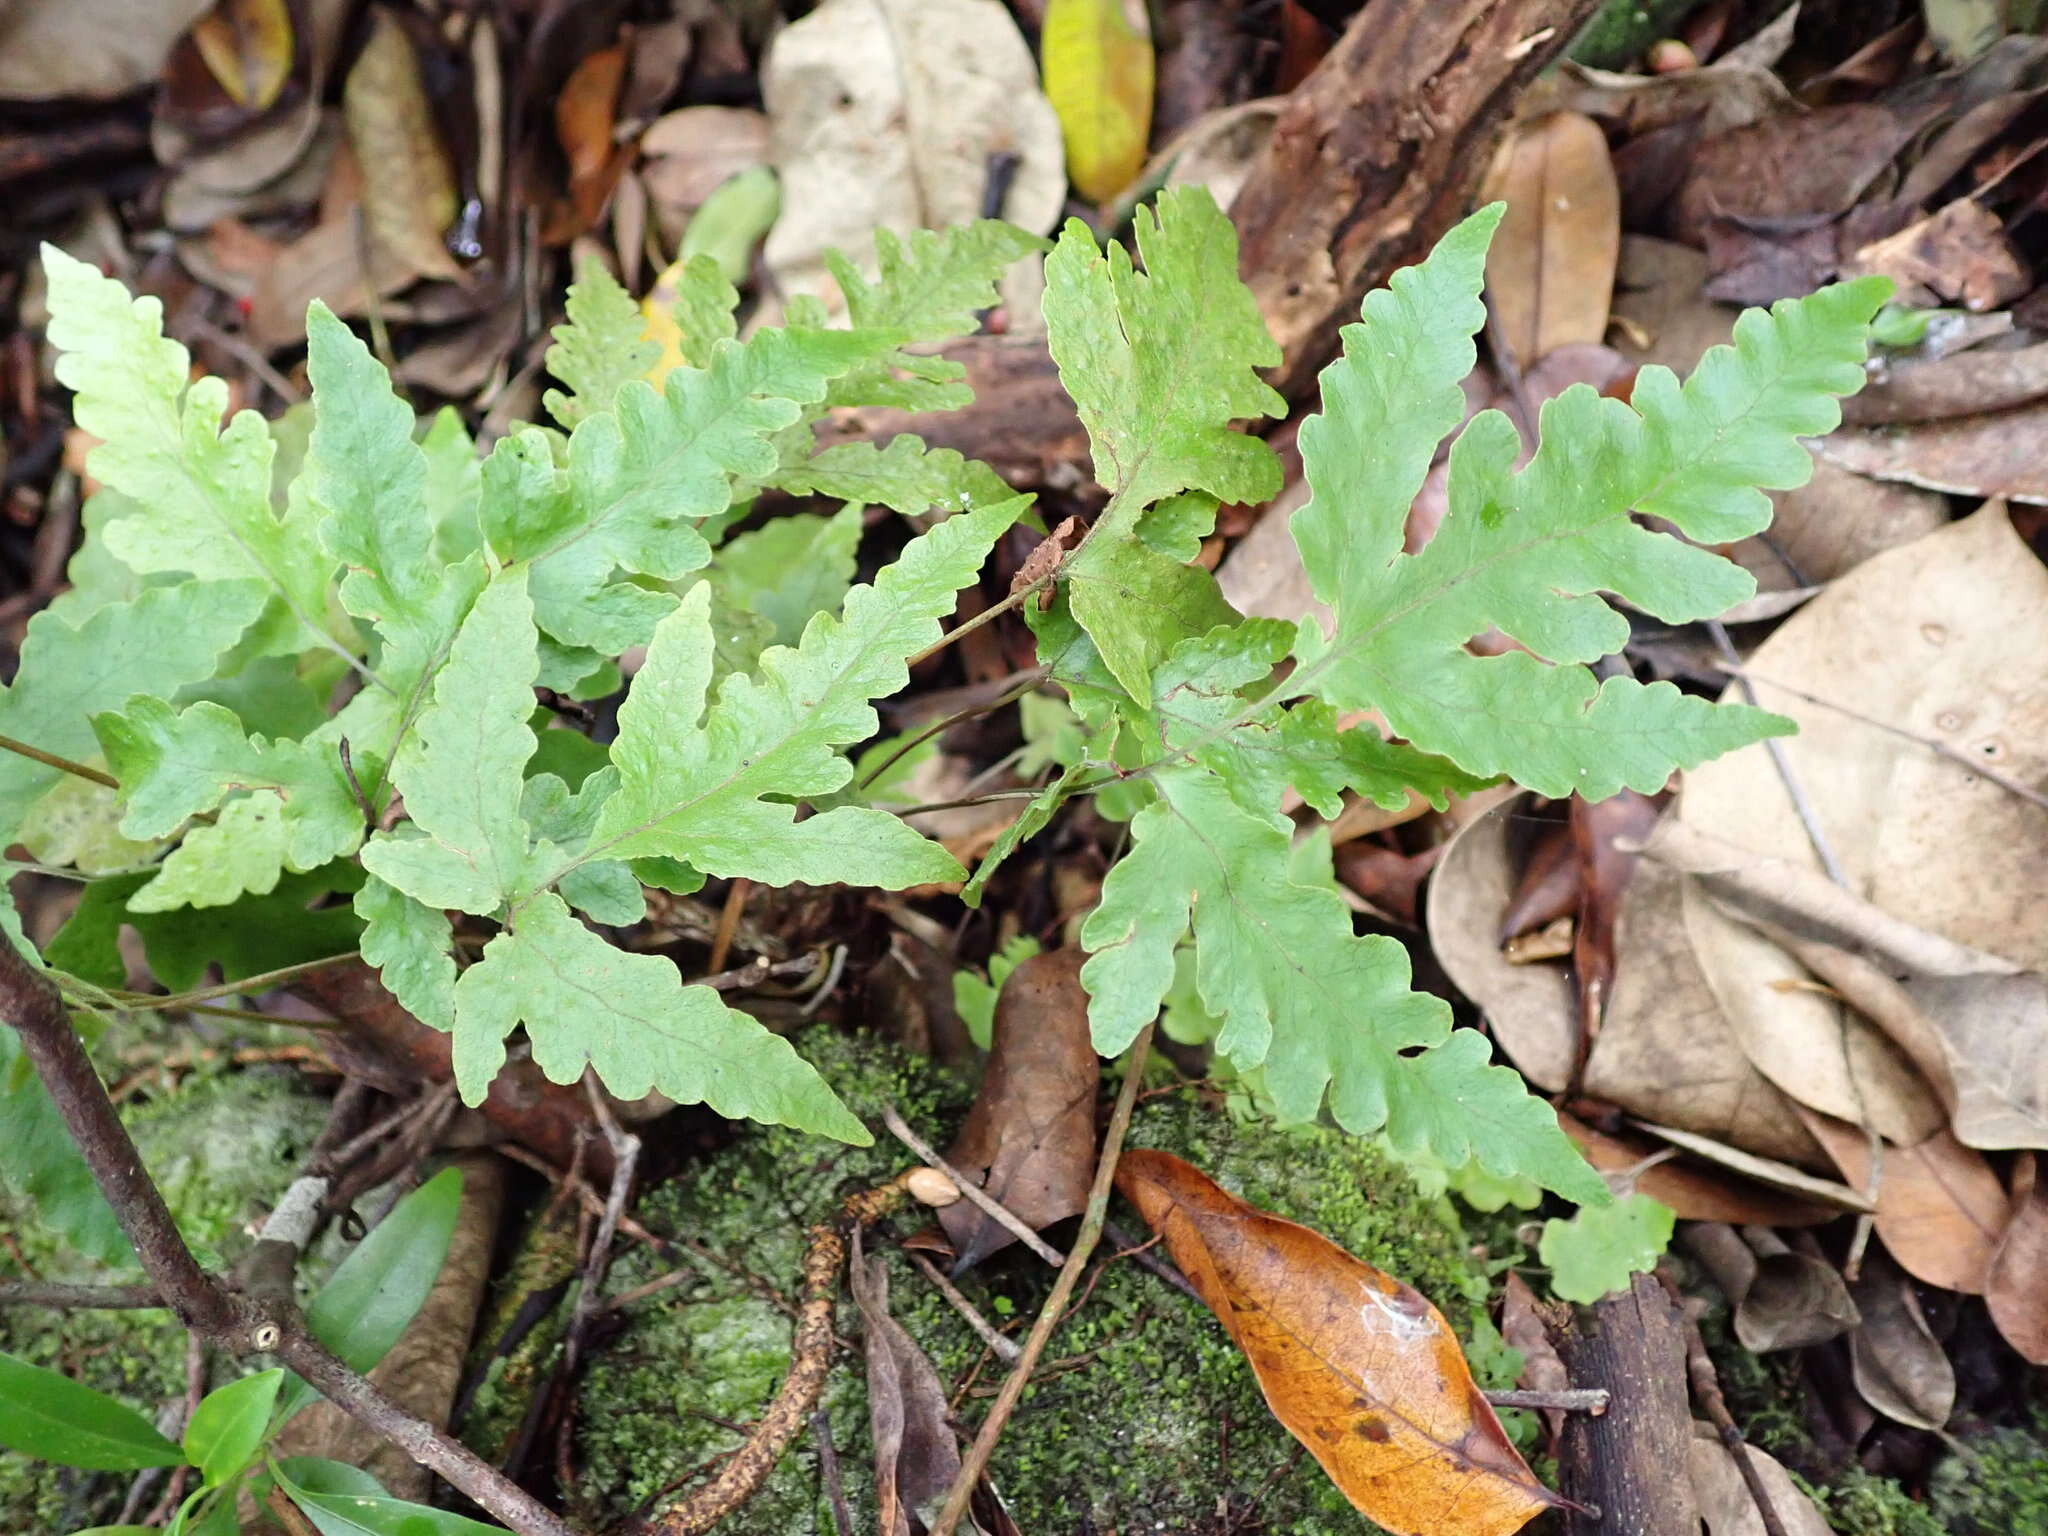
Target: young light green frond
[[1159, 363], [1600, 1249], [168, 637], [174, 765], [601, 347], [561, 819], [642, 475], [930, 285], [585, 1003], [905, 477], [702, 309], [371, 483], [462, 771], [1532, 552], [696, 790], [411, 946], [1388, 401], [207, 490]]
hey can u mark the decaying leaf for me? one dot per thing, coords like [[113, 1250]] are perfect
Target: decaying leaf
[[1940, 1208], [1524, 1325], [1898, 1365], [1359, 1367], [2013, 1288], [248, 46], [1665, 1053], [1726, 1503], [408, 186], [1550, 271], [885, 112], [1781, 1299], [1098, 76], [916, 1457], [1920, 638], [50, 49], [1958, 253], [1030, 1137], [1996, 453]]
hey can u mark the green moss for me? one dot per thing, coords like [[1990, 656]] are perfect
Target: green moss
[[1151, 1418], [218, 1148], [1860, 1504], [1996, 1484]]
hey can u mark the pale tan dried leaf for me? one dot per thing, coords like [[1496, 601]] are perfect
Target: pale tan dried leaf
[[1550, 270], [408, 183]]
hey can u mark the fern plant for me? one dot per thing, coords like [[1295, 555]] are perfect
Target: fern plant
[[302, 658]]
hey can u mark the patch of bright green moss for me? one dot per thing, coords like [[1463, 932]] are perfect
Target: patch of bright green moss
[[219, 1149], [1996, 1484], [1152, 1419]]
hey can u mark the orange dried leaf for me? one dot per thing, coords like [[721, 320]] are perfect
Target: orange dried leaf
[[1359, 1367]]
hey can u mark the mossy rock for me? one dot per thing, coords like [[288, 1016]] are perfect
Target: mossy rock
[[219, 1148], [1153, 1421]]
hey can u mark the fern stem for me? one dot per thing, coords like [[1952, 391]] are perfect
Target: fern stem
[[262, 982], [987, 616], [52, 760]]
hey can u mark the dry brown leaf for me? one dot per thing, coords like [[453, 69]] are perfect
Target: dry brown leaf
[[2013, 1288], [1897, 1363], [1921, 638], [1997, 453], [408, 186], [689, 153], [1693, 1193], [1773, 1175], [1940, 1208], [1359, 1367], [885, 112], [56, 49], [1665, 1053], [1030, 1137], [1812, 165], [1550, 270], [1726, 1504], [585, 115], [1959, 253], [1605, 871], [916, 1457], [1781, 1299], [1961, 385], [1737, 88]]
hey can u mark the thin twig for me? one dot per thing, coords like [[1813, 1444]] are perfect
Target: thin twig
[[728, 923], [987, 615], [1031, 678], [262, 982], [975, 1462], [1706, 1387], [970, 1314], [1938, 747], [52, 760], [828, 1464], [1591, 1400], [989, 1204], [42, 1293], [1796, 792], [590, 1295]]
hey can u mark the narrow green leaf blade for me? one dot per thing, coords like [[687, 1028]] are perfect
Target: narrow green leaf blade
[[586, 1003], [54, 1418], [343, 1501], [377, 1290]]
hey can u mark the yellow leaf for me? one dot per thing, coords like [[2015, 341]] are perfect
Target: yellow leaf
[[1097, 59], [659, 308], [247, 44]]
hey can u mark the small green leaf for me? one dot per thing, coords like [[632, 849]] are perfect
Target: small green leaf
[[208, 491], [906, 477], [41, 1165], [343, 1501], [1160, 362], [975, 999], [167, 637], [375, 1291], [227, 1427], [53, 1418], [695, 782], [1599, 1249], [587, 1003], [789, 569], [410, 945], [602, 346], [463, 773]]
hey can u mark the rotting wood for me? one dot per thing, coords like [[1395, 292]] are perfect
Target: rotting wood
[[1378, 152], [1629, 1461]]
